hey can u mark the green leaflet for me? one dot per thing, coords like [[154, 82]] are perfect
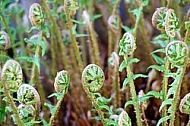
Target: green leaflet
[[40, 43], [158, 59], [51, 107], [131, 102], [162, 120], [150, 94], [74, 30], [34, 60], [125, 82], [166, 102], [158, 68]]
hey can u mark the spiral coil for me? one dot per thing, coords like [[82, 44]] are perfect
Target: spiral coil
[[158, 18], [36, 15], [93, 78], [4, 41], [127, 44], [113, 23], [62, 81], [28, 95], [26, 112], [184, 106], [12, 74], [171, 23], [124, 119], [177, 52], [113, 60]]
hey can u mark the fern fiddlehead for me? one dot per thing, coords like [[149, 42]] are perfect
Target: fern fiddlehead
[[184, 106], [124, 119], [177, 54], [28, 95], [36, 15], [61, 85], [26, 113], [158, 18], [4, 41], [127, 47], [92, 81], [11, 77], [164, 19], [171, 23]]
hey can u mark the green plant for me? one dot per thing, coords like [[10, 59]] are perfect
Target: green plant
[[61, 85], [68, 35], [127, 47]]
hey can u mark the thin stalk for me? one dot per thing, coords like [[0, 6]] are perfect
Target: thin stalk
[[94, 45], [73, 39], [57, 107], [82, 39], [140, 25], [177, 95], [168, 3], [116, 83], [188, 124], [165, 89], [11, 102], [56, 32], [133, 93], [96, 106], [8, 30], [187, 35], [53, 52], [36, 80]]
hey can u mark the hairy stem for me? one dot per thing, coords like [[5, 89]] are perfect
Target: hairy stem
[[57, 107], [56, 32], [177, 95], [73, 39], [36, 80], [165, 89], [11, 102], [133, 93]]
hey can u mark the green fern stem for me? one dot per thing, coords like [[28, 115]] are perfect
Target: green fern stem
[[177, 95], [96, 106], [56, 32], [57, 107], [165, 88], [94, 45], [7, 28], [73, 39], [11, 102], [36, 80], [116, 84], [133, 93]]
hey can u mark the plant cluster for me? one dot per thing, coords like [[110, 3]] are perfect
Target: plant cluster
[[56, 70]]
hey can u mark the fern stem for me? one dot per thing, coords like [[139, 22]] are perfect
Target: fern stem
[[177, 95], [96, 106], [57, 107], [73, 39], [11, 102], [56, 32], [133, 93], [164, 89], [36, 80]]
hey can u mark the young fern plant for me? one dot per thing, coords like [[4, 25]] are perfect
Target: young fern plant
[[61, 85], [30, 104], [127, 47], [184, 106], [114, 64], [11, 77], [92, 81], [177, 54]]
